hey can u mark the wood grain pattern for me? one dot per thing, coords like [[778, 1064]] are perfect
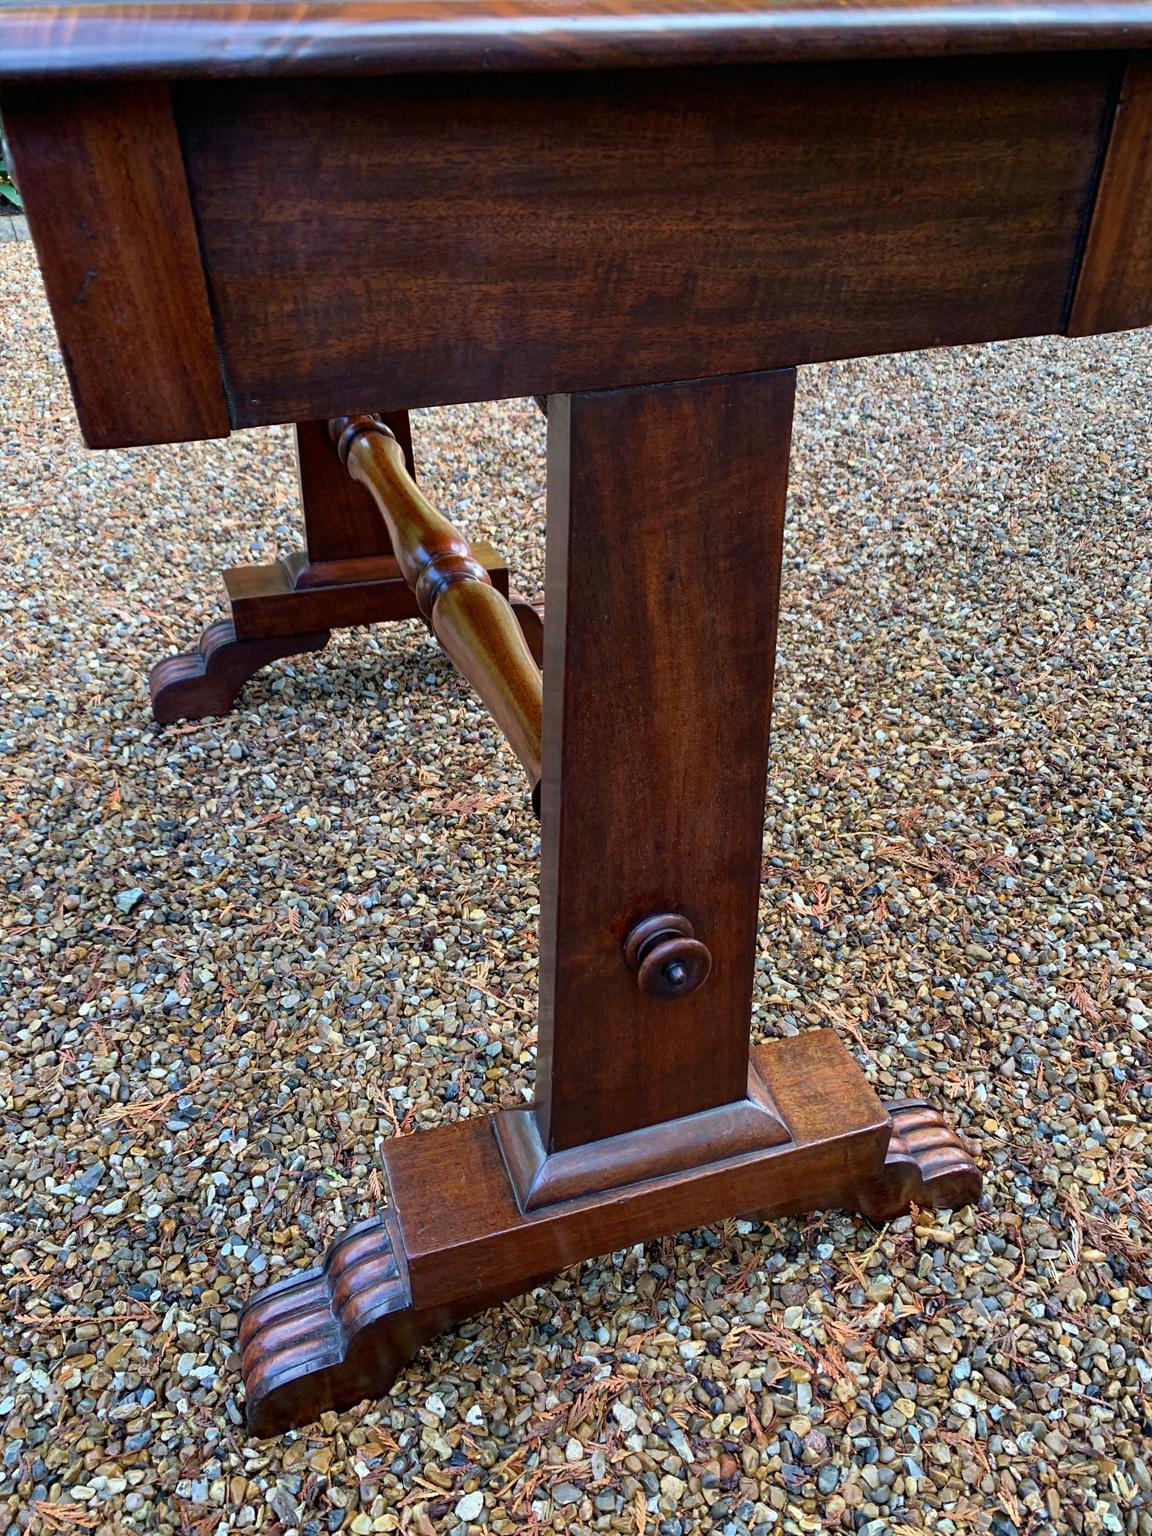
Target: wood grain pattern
[[291, 606], [276, 37], [455, 1242], [665, 226], [539, 1178], [340, 518], [107, 204], [655, 737], [1114, 290], [207, 681], [288, 608], [293, 594], [926, 1164]]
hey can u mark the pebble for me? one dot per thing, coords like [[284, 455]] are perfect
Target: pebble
[[470, 1507]]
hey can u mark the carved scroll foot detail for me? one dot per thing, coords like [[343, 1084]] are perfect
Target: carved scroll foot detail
[[927, 1165], [330, 1336], [207, 681]]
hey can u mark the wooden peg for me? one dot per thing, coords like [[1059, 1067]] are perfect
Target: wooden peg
[[668, 958]]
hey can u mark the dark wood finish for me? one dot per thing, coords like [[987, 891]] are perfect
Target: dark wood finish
[[642, 239], [538, 1178], [758, 208], [1114, 290], [656, 180], [286, 609], [530, 617], [471, 619], [340, 518], [925, 204], [926, 1165], [667, 957], [207, 681], [233, 37], [291, 607], [107, 202], [294, 595], [455, 1240], [655, 737], [346, 576]]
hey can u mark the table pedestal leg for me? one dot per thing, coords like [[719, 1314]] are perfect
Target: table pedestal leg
[[665, 522], [455, 1241], [345, 576]]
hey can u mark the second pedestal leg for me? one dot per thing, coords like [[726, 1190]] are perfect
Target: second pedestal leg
[[344, 576]]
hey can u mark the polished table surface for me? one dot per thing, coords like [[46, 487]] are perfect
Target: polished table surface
[[645, 216], [218, 38]]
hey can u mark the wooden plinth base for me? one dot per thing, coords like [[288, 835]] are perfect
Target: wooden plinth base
[[291, 607], [455, 1239]]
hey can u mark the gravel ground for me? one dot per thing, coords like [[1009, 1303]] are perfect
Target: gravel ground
[[239, 953]]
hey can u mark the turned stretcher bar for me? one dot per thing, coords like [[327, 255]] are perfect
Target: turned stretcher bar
[[474, 624]]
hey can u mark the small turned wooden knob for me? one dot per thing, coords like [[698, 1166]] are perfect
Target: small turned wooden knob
[[668, 959]]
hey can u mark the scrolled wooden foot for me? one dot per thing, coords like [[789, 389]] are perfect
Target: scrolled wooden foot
[[457, 1237], [325, 1338], [207, 681], [927, 1165]]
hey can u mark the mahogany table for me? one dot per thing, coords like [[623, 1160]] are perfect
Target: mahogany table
[[646, 215]]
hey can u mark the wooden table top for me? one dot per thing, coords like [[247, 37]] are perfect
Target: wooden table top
[[223, 38]]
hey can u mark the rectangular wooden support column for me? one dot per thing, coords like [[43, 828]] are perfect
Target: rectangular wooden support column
[[340, 518], [665, 521]]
